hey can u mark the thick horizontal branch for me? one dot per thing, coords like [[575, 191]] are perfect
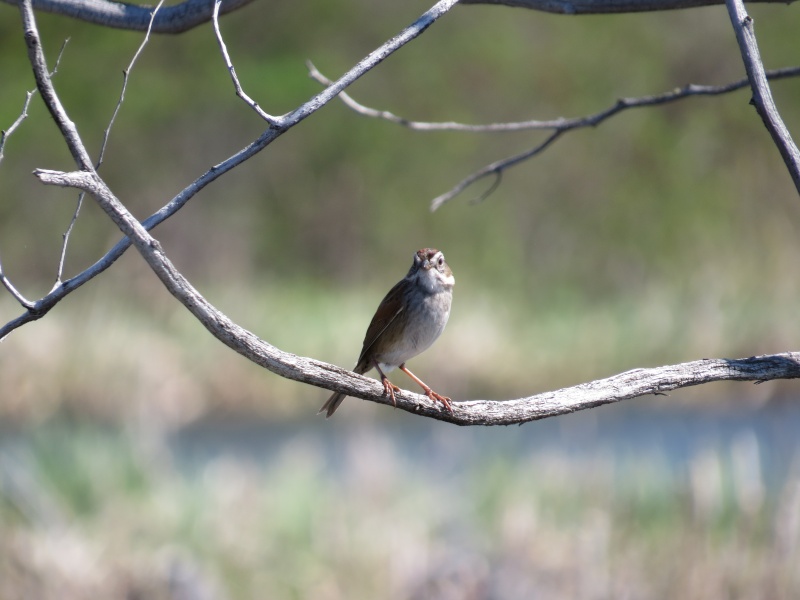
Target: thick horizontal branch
[[631, 384], [189, 14], [599, 7]]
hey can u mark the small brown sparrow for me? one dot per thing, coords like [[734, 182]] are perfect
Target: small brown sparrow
[[409, 319]]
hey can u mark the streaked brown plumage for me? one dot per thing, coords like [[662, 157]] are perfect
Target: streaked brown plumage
[[408, 320]]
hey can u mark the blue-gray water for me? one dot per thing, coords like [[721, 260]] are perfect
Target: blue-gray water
[[769, 437]]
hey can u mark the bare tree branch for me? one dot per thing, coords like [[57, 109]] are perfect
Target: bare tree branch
[[621, 104], [103, 145], [191, 13], [14, 292], [762, 96], [226, 57], [559, 126], [3, 138], [7, 133], [496, 168], [125, 76], [282, 124]]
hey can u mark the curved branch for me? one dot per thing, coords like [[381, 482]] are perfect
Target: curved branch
[[223, 48]]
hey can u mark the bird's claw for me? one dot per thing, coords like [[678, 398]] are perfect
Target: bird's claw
[[443, 399], [390, 388]]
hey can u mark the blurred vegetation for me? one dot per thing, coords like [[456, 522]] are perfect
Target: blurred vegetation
[[664, 235], [88, 513]]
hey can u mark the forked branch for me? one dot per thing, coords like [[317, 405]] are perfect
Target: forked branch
[[278, 126]]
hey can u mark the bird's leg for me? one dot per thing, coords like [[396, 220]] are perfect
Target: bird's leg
[[388, 386], [428, 391]]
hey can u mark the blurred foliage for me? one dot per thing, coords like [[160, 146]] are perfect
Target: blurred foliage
[[663, 235], [355, 515]]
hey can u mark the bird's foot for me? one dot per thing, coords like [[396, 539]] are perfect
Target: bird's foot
[[390, 388], [443, 399]]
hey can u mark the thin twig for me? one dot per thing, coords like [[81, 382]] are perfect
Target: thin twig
[[305, 110], [498, 179], [125, 74], [7, 133], [620, 105], [125, 77], [226, 57], [14, 292], [560, 125], [496, 168], [65, 241], [564, 125], [3, 137], [762, 96]]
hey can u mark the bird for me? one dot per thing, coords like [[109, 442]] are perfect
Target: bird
[[408, 320]]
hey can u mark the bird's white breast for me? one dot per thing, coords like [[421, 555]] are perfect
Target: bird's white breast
[[426, 323]]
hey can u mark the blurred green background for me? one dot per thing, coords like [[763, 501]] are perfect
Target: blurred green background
[[664, 235]]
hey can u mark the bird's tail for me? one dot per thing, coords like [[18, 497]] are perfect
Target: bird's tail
[[332, 404], [334, 401]]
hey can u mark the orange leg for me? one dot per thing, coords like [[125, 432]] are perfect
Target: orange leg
[[428, 391], [388, 386]]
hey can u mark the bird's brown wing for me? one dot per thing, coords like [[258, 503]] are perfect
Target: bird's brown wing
[[388, 310]]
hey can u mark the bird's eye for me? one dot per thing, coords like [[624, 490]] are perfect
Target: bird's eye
[[441, 260]]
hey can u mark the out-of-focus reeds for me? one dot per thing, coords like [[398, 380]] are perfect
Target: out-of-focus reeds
[[90, 513]]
